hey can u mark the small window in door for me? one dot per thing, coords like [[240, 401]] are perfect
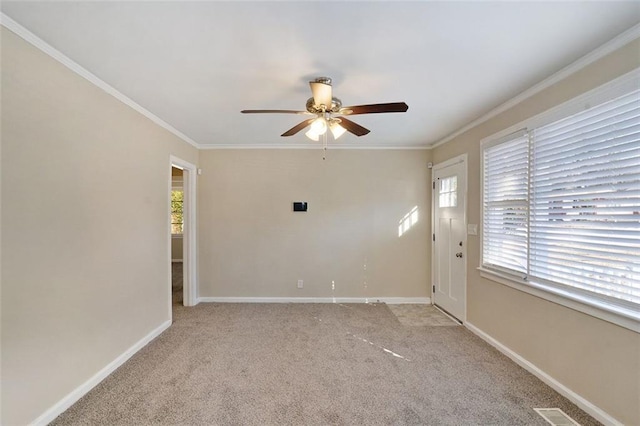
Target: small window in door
[[448, 192]]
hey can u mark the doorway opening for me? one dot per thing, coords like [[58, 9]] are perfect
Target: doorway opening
[[182, 238], [177, 240]]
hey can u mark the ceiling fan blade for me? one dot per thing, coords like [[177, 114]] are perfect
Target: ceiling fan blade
[[272, 111], [374, 108], [295, 129], [352, 127], [321, 94]]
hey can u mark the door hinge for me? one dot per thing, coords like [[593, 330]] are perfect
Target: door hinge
[[434, 288], [434, 184], [434, 237]]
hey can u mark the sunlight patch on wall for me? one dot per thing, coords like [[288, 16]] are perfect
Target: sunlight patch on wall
[[408, 221]]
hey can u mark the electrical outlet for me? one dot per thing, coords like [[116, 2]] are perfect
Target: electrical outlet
[[300, 283]]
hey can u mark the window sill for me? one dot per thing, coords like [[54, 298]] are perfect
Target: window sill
[[626, 318]]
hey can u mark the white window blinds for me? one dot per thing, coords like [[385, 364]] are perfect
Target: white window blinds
[[585, 200], [561, 203], [505, 198]]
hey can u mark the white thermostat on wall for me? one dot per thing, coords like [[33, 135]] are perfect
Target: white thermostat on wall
[[472, 229]]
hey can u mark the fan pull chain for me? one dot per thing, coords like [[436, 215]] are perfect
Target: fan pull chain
[[324, 146]]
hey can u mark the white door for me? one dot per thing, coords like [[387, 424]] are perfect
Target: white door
[[450, 242]]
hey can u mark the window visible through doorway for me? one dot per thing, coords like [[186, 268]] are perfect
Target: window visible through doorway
[[177, 204]]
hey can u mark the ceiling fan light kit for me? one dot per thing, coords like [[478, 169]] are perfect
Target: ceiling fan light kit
[[324, 106], [336, 129], [318, 127]]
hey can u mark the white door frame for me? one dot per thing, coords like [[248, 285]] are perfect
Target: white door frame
[[189, 246], [450, 162]]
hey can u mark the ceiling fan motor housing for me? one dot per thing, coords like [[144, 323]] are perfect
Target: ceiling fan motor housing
[[336, 104], [323, 80]]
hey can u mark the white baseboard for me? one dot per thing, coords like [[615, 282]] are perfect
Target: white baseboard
[[402, 300], [387, 300], [581, 402], [66, 402]]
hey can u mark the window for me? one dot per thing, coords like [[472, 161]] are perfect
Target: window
[[448, 194], [561, 205], [505, 203], [177, 202]]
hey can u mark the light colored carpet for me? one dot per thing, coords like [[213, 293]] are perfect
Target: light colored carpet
[[314, 364], [413, 315]]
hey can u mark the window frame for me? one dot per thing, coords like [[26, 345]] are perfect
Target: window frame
[[626, 317]]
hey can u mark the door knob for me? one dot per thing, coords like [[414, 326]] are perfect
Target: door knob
[[459, 254]]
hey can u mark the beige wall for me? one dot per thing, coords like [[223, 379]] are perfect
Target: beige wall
[[81, 172], [596, 359], [251, 243]]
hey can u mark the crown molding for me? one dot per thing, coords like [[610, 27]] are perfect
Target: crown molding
[[314, 147], [336, 300], [37, 42], [611, 46], [631, 34]]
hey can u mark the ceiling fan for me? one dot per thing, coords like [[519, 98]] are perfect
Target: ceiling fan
[[329, 113]]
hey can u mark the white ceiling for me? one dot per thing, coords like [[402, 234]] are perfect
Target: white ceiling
[[197, 64]]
